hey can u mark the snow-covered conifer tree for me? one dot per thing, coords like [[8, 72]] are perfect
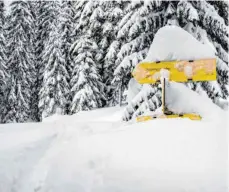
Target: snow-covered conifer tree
[[80, 18], [87, 89], [217, 32], [55, 88], [108, 14], [86, 85], [34, 9], [45, 15], [2, 45], [109, 45], [87, 19], [170, 15], [67, 24], [136, 32], [222, 8], [193, 18], [20, 63], [137, 29], [148, 99], [3, 58], [66, 30]]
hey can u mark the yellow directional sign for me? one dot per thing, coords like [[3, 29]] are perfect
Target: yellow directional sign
[[191, 116], [180, 71]]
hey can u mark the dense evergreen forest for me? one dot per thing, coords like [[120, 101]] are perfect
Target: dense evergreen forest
[[68, 56]]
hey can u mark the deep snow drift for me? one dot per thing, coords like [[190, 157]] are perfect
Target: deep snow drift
[[95, 152]]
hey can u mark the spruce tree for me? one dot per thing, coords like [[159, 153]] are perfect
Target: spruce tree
[[217, 32], [92, 22], [86, 85], [45, 15], [66, 29], [99, 19], [194, 19], [105, 18], [2, 46], [55, 88], [34, 9], [3, 59], [113, 13], [148, 99], [79, 19], [87, 89], [170, 15], [222, 8], [20, 63], [136, 32], [67, 24]]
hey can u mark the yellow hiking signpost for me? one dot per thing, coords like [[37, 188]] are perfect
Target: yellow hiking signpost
[[179, 71]]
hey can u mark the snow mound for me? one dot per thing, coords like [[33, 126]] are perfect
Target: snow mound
[[174, 43], [77, 154], [181, 99], [133, 89]]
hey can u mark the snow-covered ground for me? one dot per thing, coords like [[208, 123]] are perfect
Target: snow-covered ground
[[96, 152]]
